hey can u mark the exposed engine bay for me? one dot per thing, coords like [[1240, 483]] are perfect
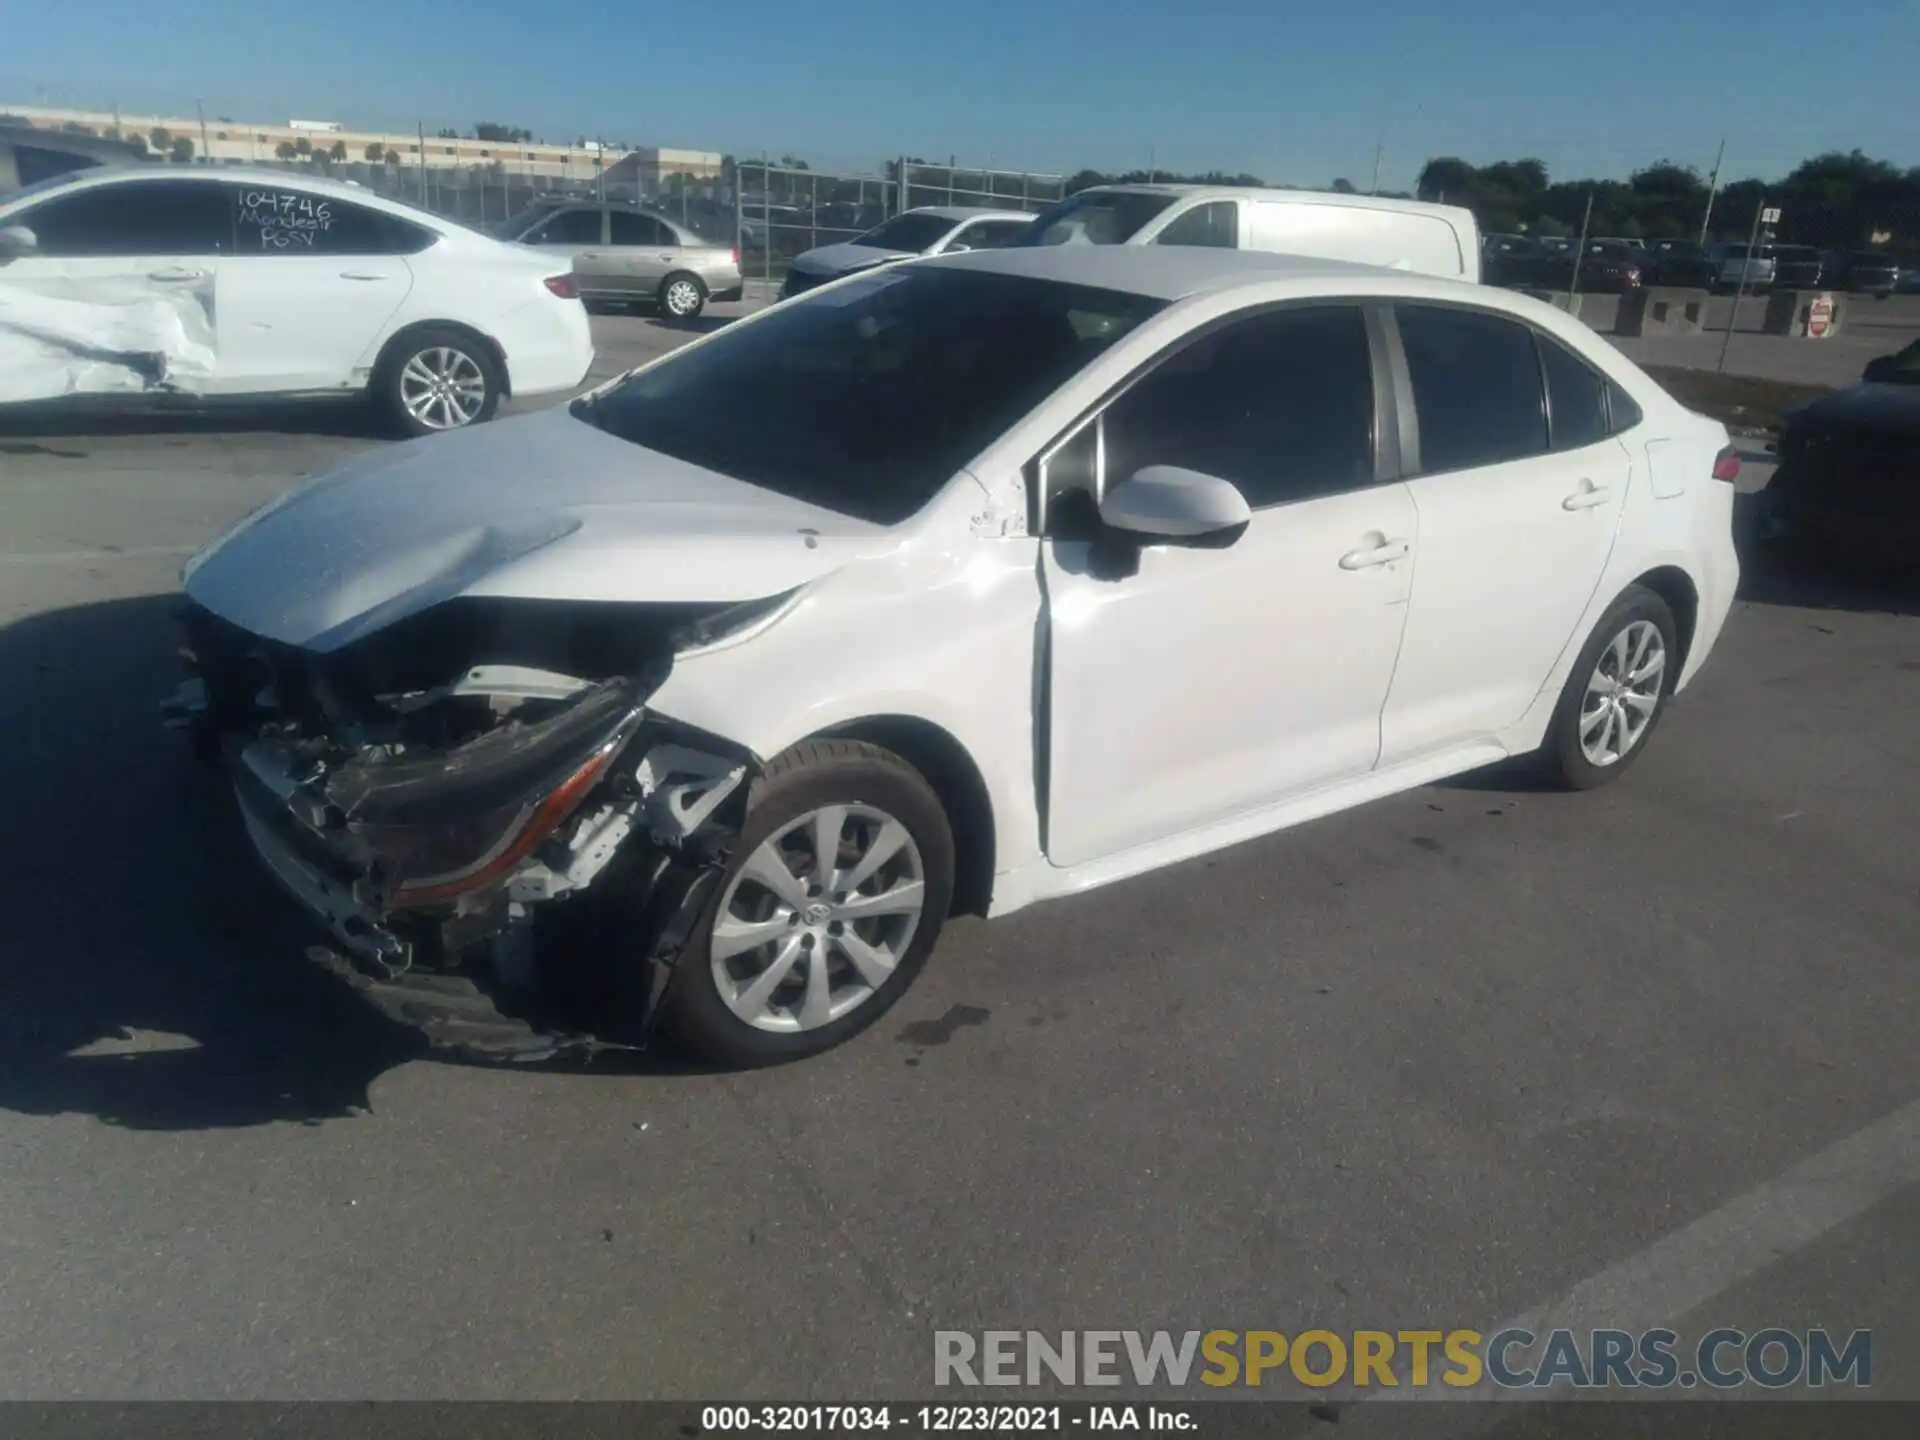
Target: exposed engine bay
[[481, 808]]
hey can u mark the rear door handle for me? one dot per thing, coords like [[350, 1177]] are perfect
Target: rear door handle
[[174, 274], [1384, 553], [363, 275], [1586, 497]]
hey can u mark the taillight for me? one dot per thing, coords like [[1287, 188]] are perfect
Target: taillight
[[1726, 465], [736, 257], [563, 286]]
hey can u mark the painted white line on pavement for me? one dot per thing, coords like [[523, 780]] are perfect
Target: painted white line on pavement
[[1684, 1270]]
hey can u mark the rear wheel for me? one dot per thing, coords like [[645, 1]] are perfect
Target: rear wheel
[[439, 379], [829, 907], [682, 296], [1615, 693]]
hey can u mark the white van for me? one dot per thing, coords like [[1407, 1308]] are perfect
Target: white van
[[1407, 235]]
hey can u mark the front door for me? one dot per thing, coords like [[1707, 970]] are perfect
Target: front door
[[307, 292], [130, 273], [1519, 506], [1215, 680]]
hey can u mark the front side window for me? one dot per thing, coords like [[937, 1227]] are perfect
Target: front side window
[[155, 217], [1216, 224], [911, 233], [569, 227], [1280, 404], [991, 234], [1476, 387], [867, 398], [1096, 217]]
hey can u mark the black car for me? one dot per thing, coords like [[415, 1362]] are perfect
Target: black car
[[1870, 272], [1680, 263], [1849, 476], [1801, 267]]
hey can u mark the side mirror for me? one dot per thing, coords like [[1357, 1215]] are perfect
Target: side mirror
[[1167, 502], [17, 240], [957, 249]]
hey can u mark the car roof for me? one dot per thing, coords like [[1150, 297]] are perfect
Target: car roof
[[1275, 192], [1166, 272]]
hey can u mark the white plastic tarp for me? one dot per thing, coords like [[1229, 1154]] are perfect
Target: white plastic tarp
[[104, 337]]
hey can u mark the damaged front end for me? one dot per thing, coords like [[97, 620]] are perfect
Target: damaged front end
[[509, 857]]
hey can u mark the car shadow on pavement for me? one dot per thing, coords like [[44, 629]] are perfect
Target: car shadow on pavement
[[349, 418], [148, 975]]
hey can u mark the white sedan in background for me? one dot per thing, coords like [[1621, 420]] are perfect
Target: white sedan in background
[[957, 585], [232, 283]]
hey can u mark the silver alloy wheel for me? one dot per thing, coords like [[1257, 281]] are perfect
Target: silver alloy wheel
[[683, 298], [818, 918], [1623, 693], [443, 388]]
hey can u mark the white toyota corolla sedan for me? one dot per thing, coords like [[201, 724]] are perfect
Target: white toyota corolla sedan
[[954, 586], [216, 284]]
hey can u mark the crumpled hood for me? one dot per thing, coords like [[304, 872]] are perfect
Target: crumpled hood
[[845, 258], [543, 506]]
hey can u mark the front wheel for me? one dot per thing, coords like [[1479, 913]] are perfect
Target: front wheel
[[829, 906], [1615, 693], [682, 296], [437, 380]]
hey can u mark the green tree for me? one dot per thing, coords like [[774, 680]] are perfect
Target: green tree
[[182, 150], [375, 152], [303, 147], [160, 138], [287, 150], [1344, 186], [337, 150], [493, 130]]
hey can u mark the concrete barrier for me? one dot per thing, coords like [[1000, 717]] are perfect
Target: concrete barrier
[[1805, 314], [1662, 310]]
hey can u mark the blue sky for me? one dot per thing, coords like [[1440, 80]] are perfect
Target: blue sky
[[1294, 94]]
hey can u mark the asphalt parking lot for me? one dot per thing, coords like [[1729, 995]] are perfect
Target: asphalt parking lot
[[1640, 1056]]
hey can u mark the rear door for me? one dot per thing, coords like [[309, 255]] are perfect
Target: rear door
[[1519, 503], [578, 235], [644, 250], [309, 289]]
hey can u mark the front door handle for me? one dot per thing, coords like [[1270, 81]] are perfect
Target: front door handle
[[362, 275], [174, 274], [1383, 552], [1586, 497], [666, 259]]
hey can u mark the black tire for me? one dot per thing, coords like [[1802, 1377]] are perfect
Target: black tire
[[813, 774], [434, 346], [673, 297], [1564, 755]]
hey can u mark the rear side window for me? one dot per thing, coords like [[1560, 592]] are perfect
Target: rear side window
[[1281, 404], [153, 217], [1576, 397], [1476, 387], [270, 220], [1216, 224]]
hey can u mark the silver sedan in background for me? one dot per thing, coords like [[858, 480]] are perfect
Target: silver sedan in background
[[622, 252], [929, 230]]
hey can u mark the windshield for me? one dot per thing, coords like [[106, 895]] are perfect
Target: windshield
[[866, 399], [1095, 217], [908, 232]]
